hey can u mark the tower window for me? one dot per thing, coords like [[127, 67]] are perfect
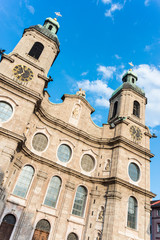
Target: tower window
[[36, 50], [132, 80], [132, 213], [115, 109], [136, 109], [50, 27]]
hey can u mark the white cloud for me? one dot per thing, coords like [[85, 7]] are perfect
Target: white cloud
[[29, 7], [97, 87], [106, 1], [97, 118], [117, 56], [102, 102], [146, 3], [84, 73], [113, 8], [149, 80], [106, 72]]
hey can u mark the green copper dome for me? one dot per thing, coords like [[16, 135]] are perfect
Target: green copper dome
[[129, 82]]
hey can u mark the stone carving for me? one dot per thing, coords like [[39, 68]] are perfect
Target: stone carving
[[99, 235], [76, 111], [81, 93], [101, 214], [107, 168]]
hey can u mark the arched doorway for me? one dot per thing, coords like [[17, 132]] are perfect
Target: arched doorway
[[7, 226], [42, 230]]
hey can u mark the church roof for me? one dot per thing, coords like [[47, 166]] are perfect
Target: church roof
[[46, 32], [127, 85]]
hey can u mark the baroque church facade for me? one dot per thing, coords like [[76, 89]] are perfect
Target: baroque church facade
[[61, 176]]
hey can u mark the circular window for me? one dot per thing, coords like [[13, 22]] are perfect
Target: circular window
[[64, 153], [39, 142], [6, 111], [87, 163], [134, 172]]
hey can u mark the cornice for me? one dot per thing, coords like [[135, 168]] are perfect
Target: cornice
[[27, 61], [110, 142], [74, 173], [13, 135], [20, 88], [8, 58], [80, 98]]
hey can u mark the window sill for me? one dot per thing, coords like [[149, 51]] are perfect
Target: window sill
[[17, 200], [76, 219]]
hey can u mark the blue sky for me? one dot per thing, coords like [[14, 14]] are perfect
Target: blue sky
[[98, 38]]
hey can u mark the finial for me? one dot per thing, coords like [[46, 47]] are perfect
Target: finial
[[81, 93], [55, 19], [58, 14], [131, 64]]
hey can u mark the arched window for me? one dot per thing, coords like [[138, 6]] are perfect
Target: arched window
[[42, 230], [136, 109], [72, 236], [50, 27], [36, 50], [115, 109], [80, 201], [132, 213], [53, 192], [24, 181], [6, 111], [7, 226]]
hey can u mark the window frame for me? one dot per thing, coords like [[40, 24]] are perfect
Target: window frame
[[158, 227], [15, 225], [29, 185], [115, 112], [73, 233], [137, 109], [95, 161], [137, 215], [137, 168], [34, 150], [132, 160], [32, 48], [11, 102], [84, 211], [64, 143], [60, 189]]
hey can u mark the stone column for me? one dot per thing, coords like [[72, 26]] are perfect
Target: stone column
[[110, 221], [64, 211]]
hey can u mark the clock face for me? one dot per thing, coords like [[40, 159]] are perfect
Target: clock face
[[23, 73], [136, 133]]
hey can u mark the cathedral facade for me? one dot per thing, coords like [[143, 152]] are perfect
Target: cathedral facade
[[62, 177]]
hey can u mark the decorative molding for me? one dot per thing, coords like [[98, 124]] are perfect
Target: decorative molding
[[18, 163], [8, 58], [20, 88], [114, 195], [42, 175], [27, 61], [111, 142], [12, 135], [95, 193], [69, 185], [74, 173]]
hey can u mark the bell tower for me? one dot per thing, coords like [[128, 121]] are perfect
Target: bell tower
[[128, 101], [29, 62]]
